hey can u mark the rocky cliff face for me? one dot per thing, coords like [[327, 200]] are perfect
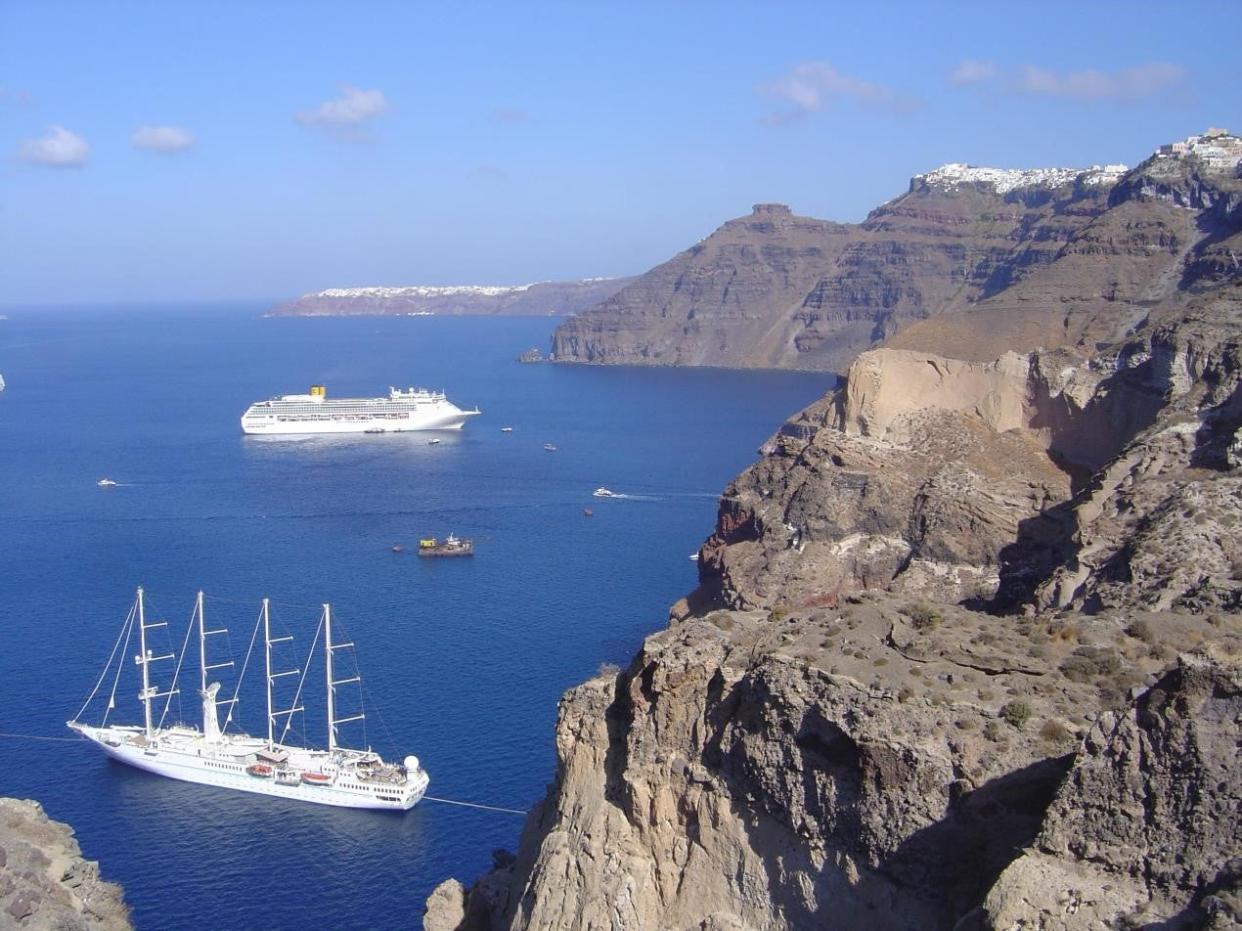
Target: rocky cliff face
[[1049, 258], [965, 652], [45, 883], [545, 299]]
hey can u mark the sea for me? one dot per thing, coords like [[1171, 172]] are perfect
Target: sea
[[463, 661]]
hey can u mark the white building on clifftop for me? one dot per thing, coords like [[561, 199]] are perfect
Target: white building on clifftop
[[1217, 148]]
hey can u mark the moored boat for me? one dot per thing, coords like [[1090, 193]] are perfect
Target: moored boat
[[213, 755], [404, 409], [449, 546]]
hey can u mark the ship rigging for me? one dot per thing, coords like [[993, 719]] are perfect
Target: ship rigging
[[339, 775]]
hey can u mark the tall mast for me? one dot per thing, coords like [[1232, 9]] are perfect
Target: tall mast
[[144, 658], [267, 668], [273, 714], [327, 653], [202, 645], [329, 649]]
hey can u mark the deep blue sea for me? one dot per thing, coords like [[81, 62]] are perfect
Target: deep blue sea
[[464, 660]]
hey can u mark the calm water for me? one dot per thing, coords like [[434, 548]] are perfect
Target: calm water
[[464, 659]]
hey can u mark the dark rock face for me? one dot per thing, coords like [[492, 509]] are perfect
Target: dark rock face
[[545, 299]]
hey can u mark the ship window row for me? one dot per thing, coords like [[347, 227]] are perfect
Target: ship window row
[[366, 405], [332, 418]]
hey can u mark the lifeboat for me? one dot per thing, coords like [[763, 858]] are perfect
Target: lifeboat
[[316, 779], [261, 770]]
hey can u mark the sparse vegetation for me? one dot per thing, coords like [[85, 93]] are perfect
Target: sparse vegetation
[[1054, 731], [922, 616], [992, 731], [1016, 713], [1142, 630], [1088, 662]]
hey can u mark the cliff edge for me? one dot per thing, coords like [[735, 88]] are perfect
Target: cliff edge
[[45, 883], [965, 651]]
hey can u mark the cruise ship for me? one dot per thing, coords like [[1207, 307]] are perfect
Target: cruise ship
[[213, 755], [403, 410]]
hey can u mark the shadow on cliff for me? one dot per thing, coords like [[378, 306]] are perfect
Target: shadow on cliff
[[830, 797]]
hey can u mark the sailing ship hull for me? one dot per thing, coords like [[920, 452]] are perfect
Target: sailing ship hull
[[339, 776], [187, 765]]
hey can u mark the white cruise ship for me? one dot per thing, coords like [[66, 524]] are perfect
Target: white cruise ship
[[213, 756], [403, 410]]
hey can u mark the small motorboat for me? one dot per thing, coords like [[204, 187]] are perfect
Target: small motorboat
[[398, 548], [694, 557], [105, 483], [587, 512], [434, 441], [316, 779], [450, 546], [506, 429], [549, 447], [259, 770], [603, 492]]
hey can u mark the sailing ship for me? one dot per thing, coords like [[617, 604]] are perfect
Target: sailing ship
[[212, 755]]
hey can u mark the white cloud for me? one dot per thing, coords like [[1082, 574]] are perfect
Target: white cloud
[[972, 71], [167, 139], [812, 85], [1147, 80], [59, 148], [1152, 79], [350, 110]]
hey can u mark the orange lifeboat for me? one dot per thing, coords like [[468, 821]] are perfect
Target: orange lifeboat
[[261, 770], [316, 779]]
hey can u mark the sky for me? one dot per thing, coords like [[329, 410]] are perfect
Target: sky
[[202, 151]]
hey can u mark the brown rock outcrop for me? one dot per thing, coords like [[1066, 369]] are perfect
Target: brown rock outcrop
[[45, 883], [964, 268], [833, 733], [1145, 830]]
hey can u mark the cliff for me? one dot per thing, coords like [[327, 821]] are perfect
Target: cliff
[[544, 299], [45, 883], [965, 652], [1049, 258]]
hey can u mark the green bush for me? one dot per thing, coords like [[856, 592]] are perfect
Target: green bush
[[1016, 713], [923, 616]]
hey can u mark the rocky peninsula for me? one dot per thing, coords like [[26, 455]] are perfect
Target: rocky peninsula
[[543, 299], [966, 649], [777, 290]]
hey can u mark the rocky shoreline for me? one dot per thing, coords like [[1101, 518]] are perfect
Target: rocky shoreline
[[44, 881]]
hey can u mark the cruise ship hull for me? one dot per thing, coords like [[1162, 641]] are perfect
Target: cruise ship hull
[[192, 761], [441, 420]]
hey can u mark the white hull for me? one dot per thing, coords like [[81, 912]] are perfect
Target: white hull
[[454, 420], [400, 412], [181, 753]]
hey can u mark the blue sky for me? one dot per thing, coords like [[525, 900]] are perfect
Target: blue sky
[[201, 151]]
